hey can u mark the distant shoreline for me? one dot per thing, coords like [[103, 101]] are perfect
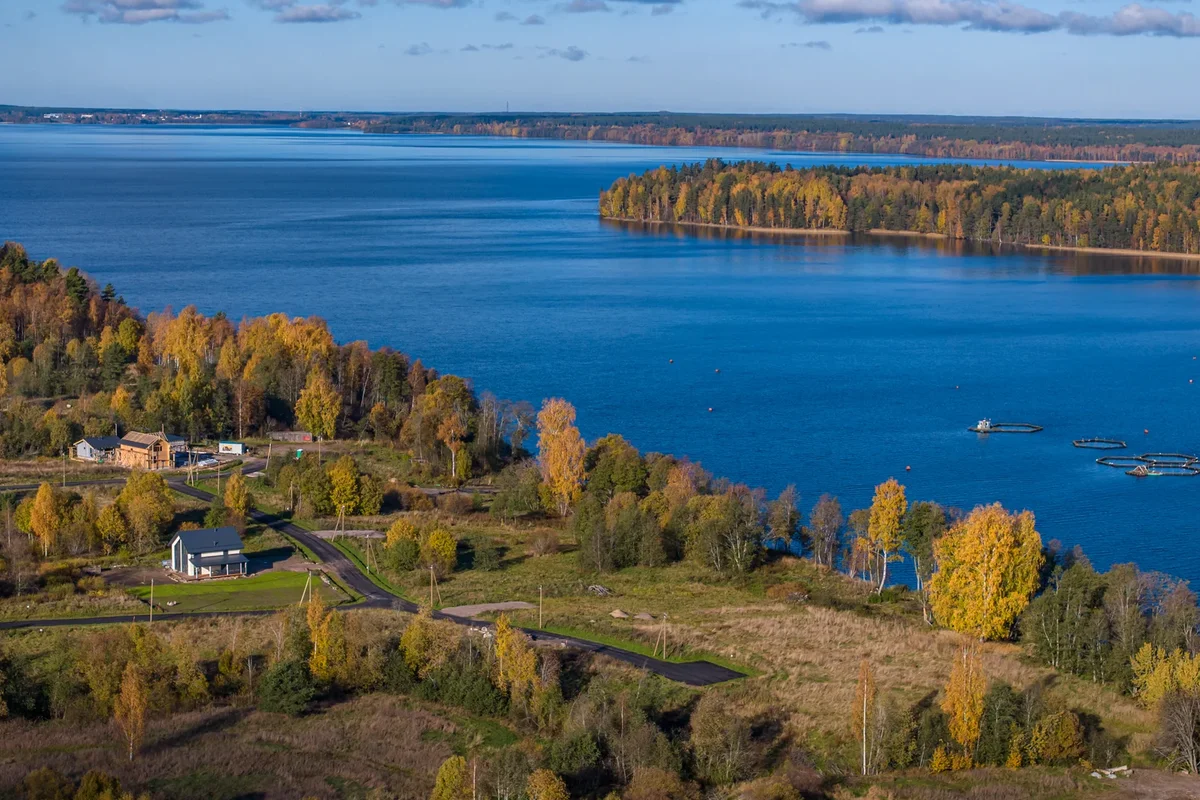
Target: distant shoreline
[[885, 233]]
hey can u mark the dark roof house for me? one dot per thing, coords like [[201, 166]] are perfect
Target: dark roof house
[[96, 448], [208, 553]]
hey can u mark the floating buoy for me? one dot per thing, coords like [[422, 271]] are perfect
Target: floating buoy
[[908, 469], [710, 409], [1146, 430], [670, 361], [717, 370], [955, 387]]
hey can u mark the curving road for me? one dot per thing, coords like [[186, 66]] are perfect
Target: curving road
[[692, 673]]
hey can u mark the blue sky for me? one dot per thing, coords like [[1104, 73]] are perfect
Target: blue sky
[[1034, 57]]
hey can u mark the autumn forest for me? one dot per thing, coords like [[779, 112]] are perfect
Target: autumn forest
[[1155, 209]]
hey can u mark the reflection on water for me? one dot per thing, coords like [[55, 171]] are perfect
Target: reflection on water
[[1039, 260]]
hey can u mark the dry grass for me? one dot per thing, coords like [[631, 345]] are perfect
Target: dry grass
[[51, 469], [810, 659], [374, 742]]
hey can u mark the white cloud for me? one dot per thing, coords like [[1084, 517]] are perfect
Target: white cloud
[[985, 15], [140, 12]]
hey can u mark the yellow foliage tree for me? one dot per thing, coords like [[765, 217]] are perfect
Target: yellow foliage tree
[[343, 481], [883, 529], [1056, 738], [400, 530], [319, 405], [146, 505], [453, 780], [237, 499], [129, 707], [987, 570], [561, 452], [451, 433], [45, 516], [427, 643], [963, 702], [328, 661], [315, 613], [111, 529], [862, 712], [1157, 673], [545, 785], [516, 663], [439, 551]]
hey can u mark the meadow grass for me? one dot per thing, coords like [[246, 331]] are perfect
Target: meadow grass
[[267, 591]]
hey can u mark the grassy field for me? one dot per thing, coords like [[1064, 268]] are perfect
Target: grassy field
[[15, 473], [270, 590], [383, 743], [803, 657]]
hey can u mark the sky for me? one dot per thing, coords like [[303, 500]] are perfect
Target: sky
[[1075, 58]]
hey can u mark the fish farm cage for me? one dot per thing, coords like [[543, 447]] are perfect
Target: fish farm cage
[[1100, 444], [1148, 471], [1150, 465]]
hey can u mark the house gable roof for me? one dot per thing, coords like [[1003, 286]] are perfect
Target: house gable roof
[[100, 442], [140, 441], [209, 540]]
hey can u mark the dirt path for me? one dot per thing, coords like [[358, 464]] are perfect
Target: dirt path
[[467, 612]]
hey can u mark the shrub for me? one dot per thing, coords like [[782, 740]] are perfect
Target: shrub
[[398, 676], [487, 556], [287, 688], [456, 503], [720, 741], [544, 542], [467, 686], [572, 755], [415, 500], [46, 784], [91, 583], [789, 592], [402, 556]]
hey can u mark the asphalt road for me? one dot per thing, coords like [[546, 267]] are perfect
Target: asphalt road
[[692, 673]]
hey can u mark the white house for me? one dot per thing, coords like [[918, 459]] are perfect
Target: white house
[[97, 448], [208, 553]]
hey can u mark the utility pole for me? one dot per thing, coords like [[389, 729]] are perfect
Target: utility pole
[[539, 607], [152, 599], [64, 467]]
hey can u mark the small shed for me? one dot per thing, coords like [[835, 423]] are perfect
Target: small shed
[[232, 448], [208, 553], [96, 448]]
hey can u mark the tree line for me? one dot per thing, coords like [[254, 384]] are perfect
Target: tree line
[[1151, 208], [950, 137], [63, 338]]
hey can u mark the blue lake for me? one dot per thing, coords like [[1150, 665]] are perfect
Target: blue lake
[[840, 363]]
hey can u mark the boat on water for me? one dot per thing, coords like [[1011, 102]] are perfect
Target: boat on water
[[985, 425]]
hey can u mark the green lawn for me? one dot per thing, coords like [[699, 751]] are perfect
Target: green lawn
[[272, 590]]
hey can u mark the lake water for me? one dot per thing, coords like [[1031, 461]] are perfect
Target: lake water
[[840, 363]]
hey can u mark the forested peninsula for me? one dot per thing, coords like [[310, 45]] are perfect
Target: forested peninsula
[[1148, 208], [1004, 138]]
